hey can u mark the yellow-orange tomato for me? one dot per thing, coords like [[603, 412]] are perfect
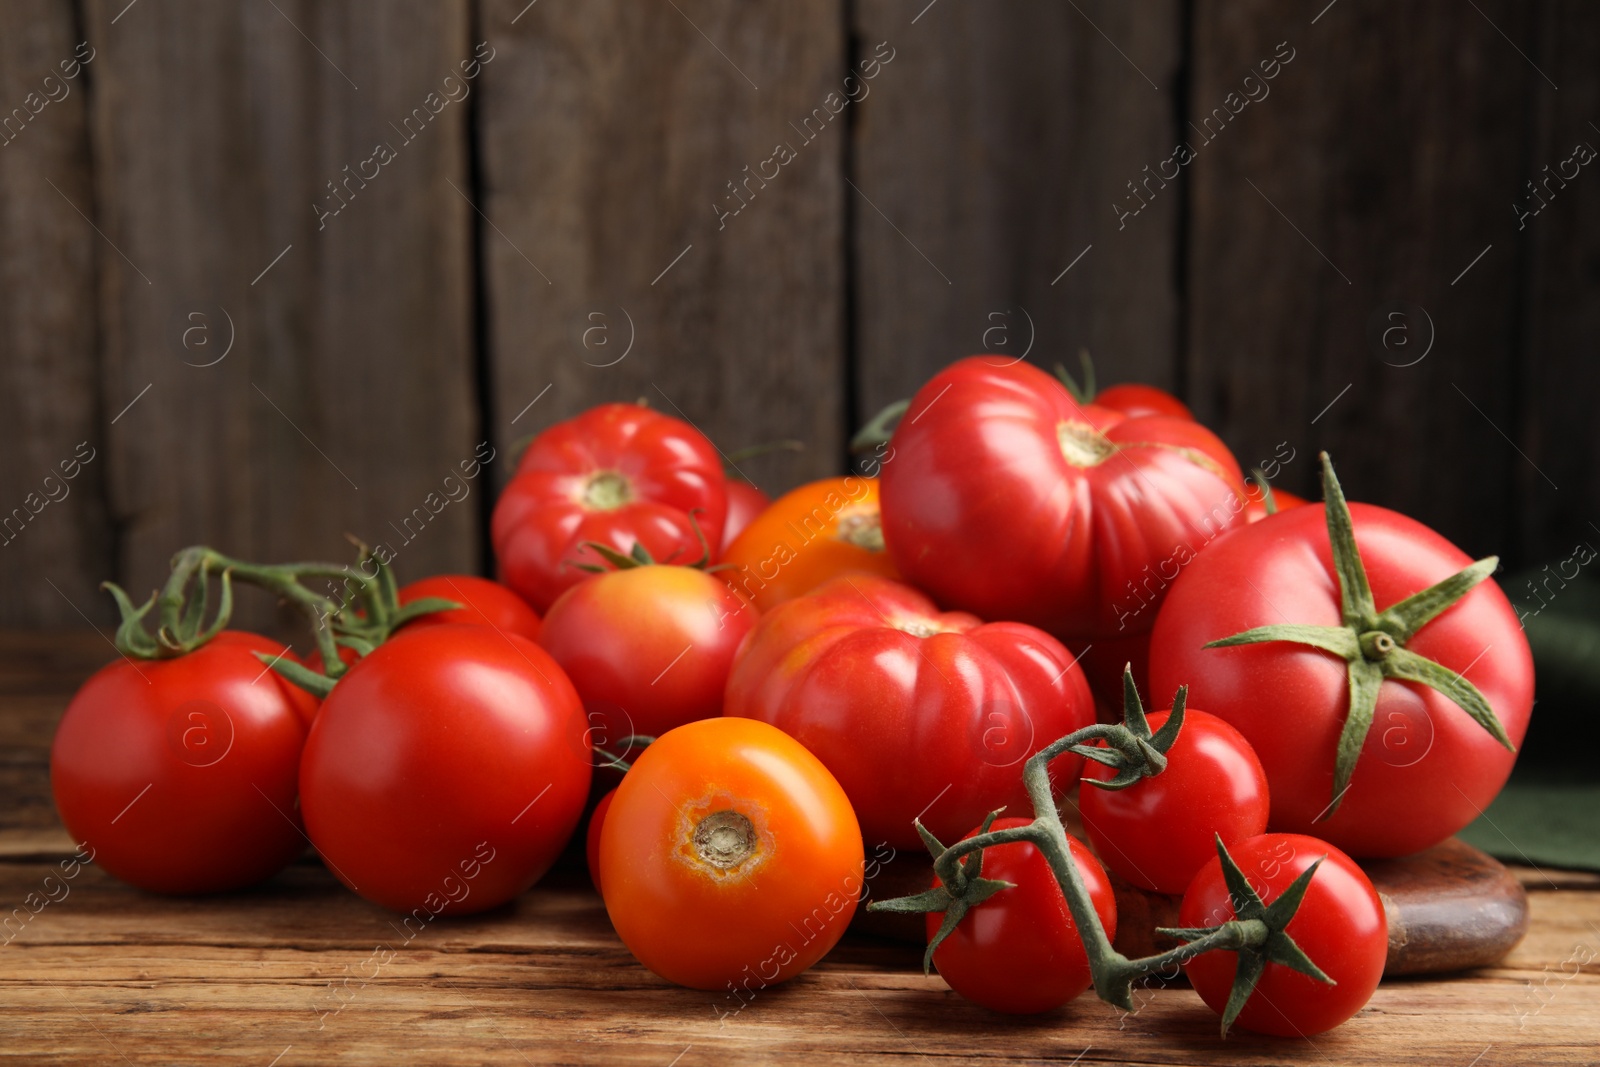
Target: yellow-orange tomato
[[808, 535], [730, 857]]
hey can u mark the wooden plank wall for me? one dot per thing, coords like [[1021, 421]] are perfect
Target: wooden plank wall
[[989, 176]]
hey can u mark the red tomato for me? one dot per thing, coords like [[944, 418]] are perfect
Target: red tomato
[[1002, 498], [745, 502], [648, 648], [730, 858], [446, 770], [916, 712], [1157, 832], [179, 774], [813, 533], [1426, 769], [591, 839], [1340, 925], [620, 475], [1255, 508], [1019, 951], [1134, 400], [484, 602]]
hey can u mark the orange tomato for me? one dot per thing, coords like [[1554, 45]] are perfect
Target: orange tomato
[[729, 857], [808, 535]]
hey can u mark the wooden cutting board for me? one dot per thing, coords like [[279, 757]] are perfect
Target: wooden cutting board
[[1450, 908]]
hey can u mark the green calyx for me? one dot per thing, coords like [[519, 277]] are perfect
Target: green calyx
[[1260, 931], [965, 890], [1084, 393], [1131, 749], [881, 427], [361, 619], [730, 465], [639, 556], [1372, 643], [1268, 501]]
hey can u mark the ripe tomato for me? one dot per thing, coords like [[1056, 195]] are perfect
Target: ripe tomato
[[1425, 769], [620, 475], [648, 648], [1002, 497], [1159, 831], [1134, 400], [745, 502], [813, 533], [1340, 925], [484, 602], [917, 712], [1255, 508], [1019, 951], [446, 770], [729, 856], [180, 773], [591, 838]]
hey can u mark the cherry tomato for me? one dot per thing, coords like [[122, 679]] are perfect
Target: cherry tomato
[[648, 648], [729, 857], [591, 838], [1134, 399], [1002, 496], [1426, 769], [484, 602], [745, 502], [1019, 952], [619, 475], [1340, 925], [917, 712], [179, 774], [813, 533], [446, 770], [1157, 832]]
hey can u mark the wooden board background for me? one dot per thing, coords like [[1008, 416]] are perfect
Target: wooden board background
[[567, 210]]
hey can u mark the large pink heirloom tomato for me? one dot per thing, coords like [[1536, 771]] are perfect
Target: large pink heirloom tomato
[[1003, 496], [619, 475], [1384, 697], [917, 712]]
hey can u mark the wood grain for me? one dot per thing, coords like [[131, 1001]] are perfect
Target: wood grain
[[52, 528], [1376, 170], [610, 134], [987, 159], [346, 397], [1557, 485]]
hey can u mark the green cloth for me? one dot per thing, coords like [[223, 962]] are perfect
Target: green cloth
[[1549, 813]]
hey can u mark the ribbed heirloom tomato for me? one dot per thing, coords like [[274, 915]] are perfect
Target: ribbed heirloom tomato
[[648, 648], [808, 535], [619, 475], [179, 774], [1019, 951], [1006, 498], [446, 770], [729, 857], [917, 712]]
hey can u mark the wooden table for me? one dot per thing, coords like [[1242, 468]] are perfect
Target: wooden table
[[287, 974]]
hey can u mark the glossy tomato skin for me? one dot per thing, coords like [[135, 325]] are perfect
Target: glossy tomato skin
[[1340, 925], [745, 502], [1426, 769], [647, 648], [1019, 952], [619, 475], [484, 602], [813, 533], [793, 862], [179, 774], [591, 838], [916, 712], [1001, 497], [1133, 399], [1158, 832], [446, 770]]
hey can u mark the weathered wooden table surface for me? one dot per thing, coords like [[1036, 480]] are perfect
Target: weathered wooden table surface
[[301, 971]]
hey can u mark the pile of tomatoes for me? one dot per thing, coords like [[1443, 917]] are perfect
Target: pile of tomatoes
[[784, 694]]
